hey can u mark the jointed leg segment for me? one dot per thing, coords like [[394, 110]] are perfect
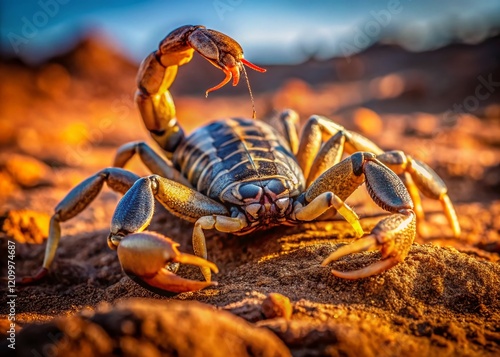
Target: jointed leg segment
[[394, 235], [218, 222], [290, 120], [417, 176], [179, 200], [323, 143], [321, 148], [324, 202], [319, 130], [75, 202], [154, 162]]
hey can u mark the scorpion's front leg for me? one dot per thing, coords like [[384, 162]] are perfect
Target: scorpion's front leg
[[76, 201], [220, 223], [394, 235], [158, 71], [134, 213], [417, 176]]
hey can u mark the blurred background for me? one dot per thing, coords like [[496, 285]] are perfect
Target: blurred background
[[422, 76], [281, 32]]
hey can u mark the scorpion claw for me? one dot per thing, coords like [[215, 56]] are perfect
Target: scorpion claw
[[361, 245], [165, 281], [393, 236], [197, 261], [370, 270], [146, 258]]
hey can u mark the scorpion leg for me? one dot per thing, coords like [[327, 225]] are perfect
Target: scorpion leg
[[290, 119], [415, 197], [135, 211], [155, 163], [394, 235], [75, 202], [417, 176], [316, 157], [329, 155], [323, 202], [222, 224], [319, 129]]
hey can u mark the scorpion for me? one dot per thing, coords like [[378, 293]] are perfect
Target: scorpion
[[241, 175]]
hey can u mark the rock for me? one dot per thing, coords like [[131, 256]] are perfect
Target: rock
[[368, 122], [26, 170], [277, 305], [142, 327], [26, 226]]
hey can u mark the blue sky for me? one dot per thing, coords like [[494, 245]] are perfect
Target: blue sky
[[272, 31]]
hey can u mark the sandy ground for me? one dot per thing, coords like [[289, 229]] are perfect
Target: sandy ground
[[63, 121]]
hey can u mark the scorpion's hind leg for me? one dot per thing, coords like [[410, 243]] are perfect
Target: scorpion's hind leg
[[75, 202], [134, 213], [418, 177], [394, 235], [154, 162], [314, 157], [290, 120]]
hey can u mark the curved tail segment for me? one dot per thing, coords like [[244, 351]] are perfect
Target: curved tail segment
[[158, 71]]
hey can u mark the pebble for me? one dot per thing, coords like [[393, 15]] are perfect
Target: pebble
[[277, 305]]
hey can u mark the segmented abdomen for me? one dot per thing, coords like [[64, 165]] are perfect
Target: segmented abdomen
[[228, 152]]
